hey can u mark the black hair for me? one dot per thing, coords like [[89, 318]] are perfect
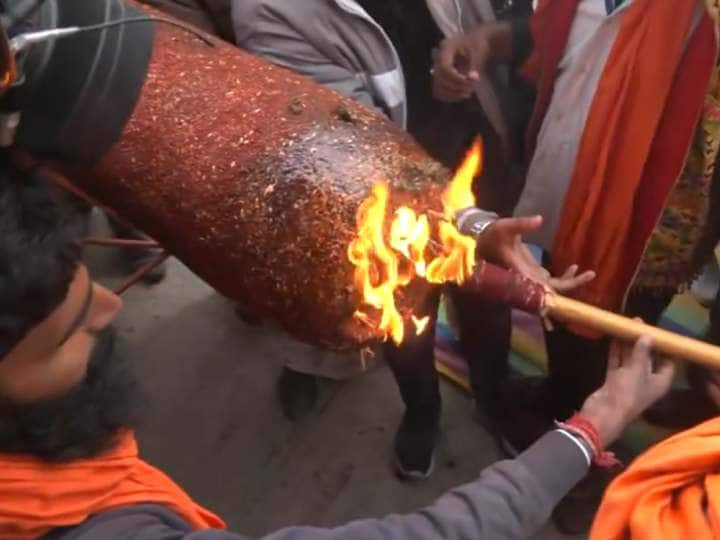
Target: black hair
[[40, 249], [86, 420], [41, 232]]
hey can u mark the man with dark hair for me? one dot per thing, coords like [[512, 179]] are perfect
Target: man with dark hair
[[69, 465], [61, 395]]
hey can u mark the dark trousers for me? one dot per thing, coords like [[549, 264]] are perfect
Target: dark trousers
[[485, 340], [576, 364], [696, 374]]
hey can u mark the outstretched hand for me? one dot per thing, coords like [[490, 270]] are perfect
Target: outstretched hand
[[502, 244], [631, 386]]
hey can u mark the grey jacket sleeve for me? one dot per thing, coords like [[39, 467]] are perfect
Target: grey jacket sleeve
[[511, 499], [262, 30]]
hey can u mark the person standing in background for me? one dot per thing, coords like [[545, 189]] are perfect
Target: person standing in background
[[380, 53], [623, 150]]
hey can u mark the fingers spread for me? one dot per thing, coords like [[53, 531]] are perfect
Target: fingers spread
[[530, 262], [570, 272], [569, 281], [519, 225]]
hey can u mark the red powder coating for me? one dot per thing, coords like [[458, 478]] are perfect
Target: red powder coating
[[252, 176], [496, 284]]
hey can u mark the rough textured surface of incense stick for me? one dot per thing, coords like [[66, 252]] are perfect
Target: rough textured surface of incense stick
[[252, 176], [571, 311]]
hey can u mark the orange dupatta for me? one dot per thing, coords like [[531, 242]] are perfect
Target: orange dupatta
[[672, 491], [36, 497], [626, 111]]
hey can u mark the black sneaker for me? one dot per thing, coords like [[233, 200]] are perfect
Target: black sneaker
[[298, 393], [415, 446], [522, 420]]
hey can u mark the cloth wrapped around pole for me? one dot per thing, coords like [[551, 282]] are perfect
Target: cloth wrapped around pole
[[252, 176], [499, 285]]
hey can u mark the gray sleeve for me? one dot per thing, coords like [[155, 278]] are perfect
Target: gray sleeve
[[511, 499], [262, 30]]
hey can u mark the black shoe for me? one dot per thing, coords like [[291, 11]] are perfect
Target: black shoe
[[298, 393], [522, 420], [415, 445]]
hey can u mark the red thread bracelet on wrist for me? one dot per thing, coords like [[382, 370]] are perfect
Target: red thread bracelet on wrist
[[581, 426]]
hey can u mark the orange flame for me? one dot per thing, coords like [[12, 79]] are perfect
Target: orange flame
[[420, 324], [382, 267]]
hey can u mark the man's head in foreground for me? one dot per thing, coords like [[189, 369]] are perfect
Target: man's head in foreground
[[63, 395]]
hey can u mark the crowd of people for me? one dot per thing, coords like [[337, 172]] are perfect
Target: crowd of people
[[598, 115]]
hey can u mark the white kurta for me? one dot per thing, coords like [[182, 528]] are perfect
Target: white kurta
[[592, 36]]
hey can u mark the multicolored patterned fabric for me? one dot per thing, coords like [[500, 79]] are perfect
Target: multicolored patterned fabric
[[671, 259]]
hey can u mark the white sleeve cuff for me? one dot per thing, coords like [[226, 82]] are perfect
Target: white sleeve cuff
[[579, 444]]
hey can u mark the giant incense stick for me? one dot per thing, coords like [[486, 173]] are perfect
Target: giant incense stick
[[252, 176]]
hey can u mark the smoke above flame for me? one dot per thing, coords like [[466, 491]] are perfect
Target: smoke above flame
[[389, 252]]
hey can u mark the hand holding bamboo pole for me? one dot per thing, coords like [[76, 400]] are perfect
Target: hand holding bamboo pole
[[567, 310], [500, 285]]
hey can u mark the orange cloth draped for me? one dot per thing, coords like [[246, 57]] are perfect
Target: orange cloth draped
[[672, 491], [36, 496], [626, 111]]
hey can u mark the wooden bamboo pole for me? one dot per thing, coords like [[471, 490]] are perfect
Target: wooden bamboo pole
[[566, 310]]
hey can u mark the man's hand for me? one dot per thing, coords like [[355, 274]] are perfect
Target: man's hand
[[631, 386], [460, 60], [570, 280], [458, 64], [502, 244]]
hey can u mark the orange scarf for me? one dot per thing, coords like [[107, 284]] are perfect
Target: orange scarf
[[672, 491], [627, 108], [36, 497]]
